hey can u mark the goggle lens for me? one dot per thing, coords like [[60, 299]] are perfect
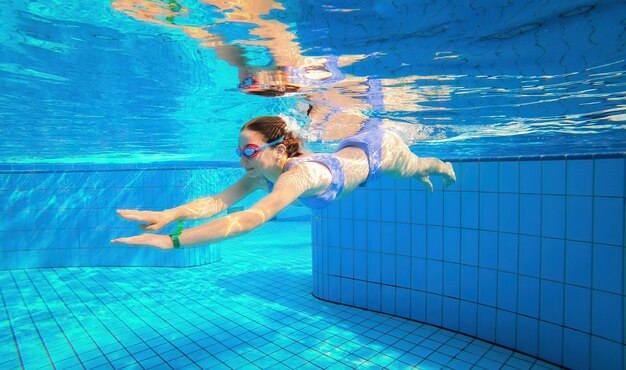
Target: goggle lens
[[251, 150]]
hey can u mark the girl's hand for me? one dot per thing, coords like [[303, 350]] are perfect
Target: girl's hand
[[153, 220], [147, 240]]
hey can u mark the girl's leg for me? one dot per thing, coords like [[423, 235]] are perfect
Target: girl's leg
[[398, 160]]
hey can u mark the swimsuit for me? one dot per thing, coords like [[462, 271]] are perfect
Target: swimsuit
[[369, 139], [336, 185]]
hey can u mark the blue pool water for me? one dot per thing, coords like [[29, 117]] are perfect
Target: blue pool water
[[133, 104], [126, 82]]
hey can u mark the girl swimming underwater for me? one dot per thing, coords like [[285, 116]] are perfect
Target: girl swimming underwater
[[274, 160]]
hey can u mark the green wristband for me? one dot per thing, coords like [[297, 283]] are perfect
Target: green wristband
[[174, 236]]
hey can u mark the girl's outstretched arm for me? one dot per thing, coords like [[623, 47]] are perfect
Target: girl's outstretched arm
[[288, 188], [197, 209]]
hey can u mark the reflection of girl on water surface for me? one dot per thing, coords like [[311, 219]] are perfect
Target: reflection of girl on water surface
[[274, 160]]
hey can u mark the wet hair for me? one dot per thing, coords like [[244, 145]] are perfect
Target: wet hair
[[273, 127], [271, 92]]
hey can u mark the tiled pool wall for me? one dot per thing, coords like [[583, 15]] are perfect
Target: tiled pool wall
[[526, 253], [64, 215]]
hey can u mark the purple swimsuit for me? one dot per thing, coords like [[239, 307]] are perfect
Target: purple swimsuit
[[369, 139]]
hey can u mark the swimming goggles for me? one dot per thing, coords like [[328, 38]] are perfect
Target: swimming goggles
[[248, 82], [252, 150]]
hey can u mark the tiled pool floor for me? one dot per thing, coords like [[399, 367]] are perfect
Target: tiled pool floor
[[252, 310]]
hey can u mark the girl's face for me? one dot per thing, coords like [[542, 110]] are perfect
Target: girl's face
[[261, 162]]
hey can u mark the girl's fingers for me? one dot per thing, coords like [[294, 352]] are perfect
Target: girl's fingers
[[120, 241], [132, 215]]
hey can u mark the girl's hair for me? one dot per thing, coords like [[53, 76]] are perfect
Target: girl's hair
[[273, 127]]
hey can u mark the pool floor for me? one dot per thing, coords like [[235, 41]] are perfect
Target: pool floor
[[253, 309]]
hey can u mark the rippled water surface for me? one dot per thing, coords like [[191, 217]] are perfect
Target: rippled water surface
[[136, 80]]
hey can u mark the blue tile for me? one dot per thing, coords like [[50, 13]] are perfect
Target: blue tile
[[553, 179], [403, 239], [334, 288], [487, 286], [575, 353], [553, 259], [388, 208], [373, 237], [552, 301], [468, 316], [451, 279], [360, 203], [509, 177], [469, 210], [530, 177], [434, 203], [388, 297], [452, 244], [606, 354], [530, 214], [469, 283], [403, 271], [334, 234], [418, 274], [360, 294], [418, 241], [347, 291], [506, 326], [508, 219], [373, 296], [373, 205], [388, 182], [388, 238], [434, 242], [608, 220], [347, 263], [553, 216], [360, 265], [434, 272], [488, 211], [469, 247], [403, 184], [489, 176], [486, 327], [434, 307], [579, 221], [488, 249], [334, 261], [346, 206], [418, 207], [507, 252], [578, 308], [452, 209], [450, 313], [418, 306], [403, 210], [608, 266], [578, 266], [607, 316], [580, 177], [527, 335], [608, 177], [373, 267], [403, 302], [550, 341], [469, 176], [347, 232], [507, 291], [528, 296]]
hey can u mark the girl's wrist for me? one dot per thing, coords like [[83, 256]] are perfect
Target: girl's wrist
[[173, 214]]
